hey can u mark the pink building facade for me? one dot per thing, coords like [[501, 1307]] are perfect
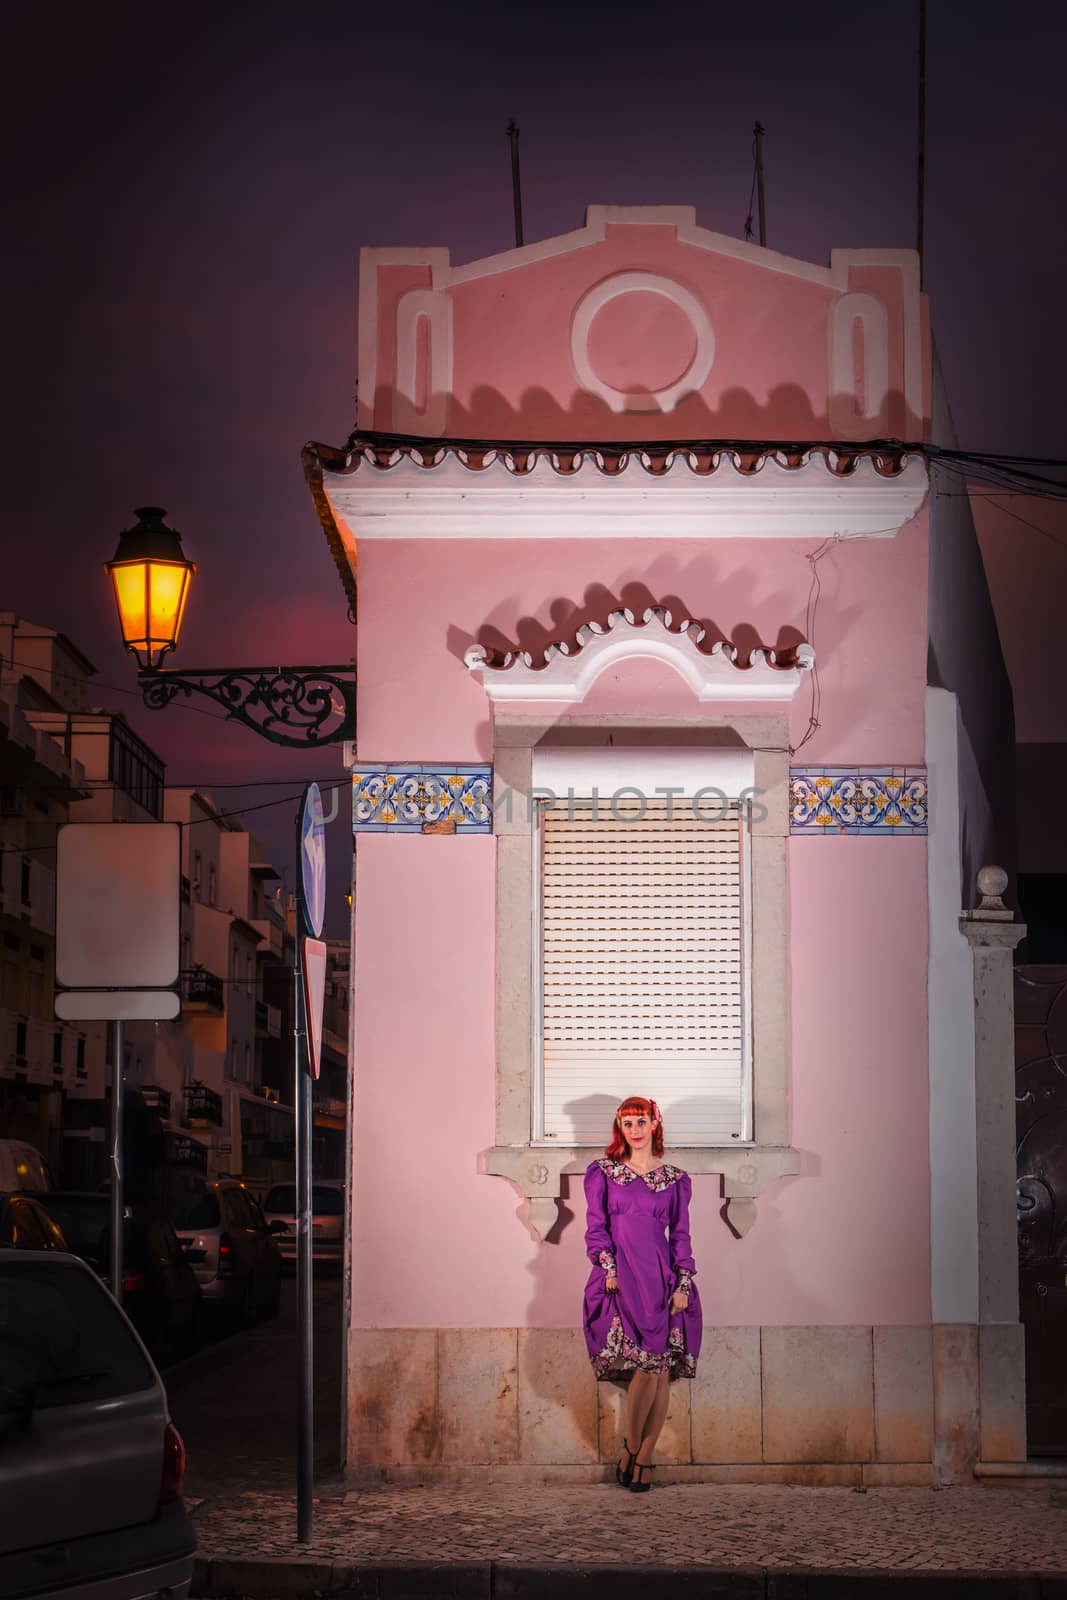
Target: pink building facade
[[665, 783]]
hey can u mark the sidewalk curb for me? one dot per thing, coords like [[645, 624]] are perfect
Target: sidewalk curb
[[304, 1577]]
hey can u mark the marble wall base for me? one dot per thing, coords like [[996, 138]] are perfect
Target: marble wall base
[[816, 1405]]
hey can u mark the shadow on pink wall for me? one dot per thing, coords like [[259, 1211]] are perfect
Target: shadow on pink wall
[[785, 415]]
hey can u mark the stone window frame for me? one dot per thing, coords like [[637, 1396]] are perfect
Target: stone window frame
[[537, 1170]]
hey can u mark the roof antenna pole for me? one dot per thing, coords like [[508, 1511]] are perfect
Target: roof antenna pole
[[921, 173], [758, 131], [516, 185]]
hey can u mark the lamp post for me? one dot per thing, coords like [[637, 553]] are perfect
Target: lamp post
[[299, 707]]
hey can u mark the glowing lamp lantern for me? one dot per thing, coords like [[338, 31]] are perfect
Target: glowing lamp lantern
[[151, 578]]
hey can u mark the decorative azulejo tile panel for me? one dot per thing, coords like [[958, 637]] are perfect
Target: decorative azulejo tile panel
[[858, 800], [422, 799]]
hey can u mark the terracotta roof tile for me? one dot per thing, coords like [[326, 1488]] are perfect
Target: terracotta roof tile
[[382, 452], [799, 655]]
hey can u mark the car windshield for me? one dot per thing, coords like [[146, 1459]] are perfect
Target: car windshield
[[324, 1202], [194, 1209], [63, 1339], [84, 1221]]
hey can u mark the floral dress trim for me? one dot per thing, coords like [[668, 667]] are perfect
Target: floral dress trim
[[621, 1354], [658, 1179], [685, 1281], [606, 1260]]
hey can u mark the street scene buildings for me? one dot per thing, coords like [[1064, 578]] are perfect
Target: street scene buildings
[[678, 767], [212, 1091]]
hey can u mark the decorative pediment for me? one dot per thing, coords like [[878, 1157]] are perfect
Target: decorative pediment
[[642, 324], [568, 668]]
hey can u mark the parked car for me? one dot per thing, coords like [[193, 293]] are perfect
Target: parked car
[[160, 1292], [90, 1463], [22, 1166], [229, 1247], [26, 1225], [327, 1220]]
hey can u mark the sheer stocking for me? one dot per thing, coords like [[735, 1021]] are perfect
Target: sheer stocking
[[640, 1401], [655, 1416]]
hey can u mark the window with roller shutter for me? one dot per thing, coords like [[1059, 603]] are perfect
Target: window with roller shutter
[[642, 971]]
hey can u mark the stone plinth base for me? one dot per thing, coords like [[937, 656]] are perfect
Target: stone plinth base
[[868, 1474], [826, 1406]]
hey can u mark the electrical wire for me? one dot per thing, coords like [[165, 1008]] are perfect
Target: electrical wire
[[995, 494], [113, 688], [199, 787], [217, 816], [990, 472]]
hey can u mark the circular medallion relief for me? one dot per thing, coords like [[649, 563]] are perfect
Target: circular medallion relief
[[641, 342]]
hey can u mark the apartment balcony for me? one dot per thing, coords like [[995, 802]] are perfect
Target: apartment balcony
[[335, 1042], [203, 991], [9, 1042], [202, 1106], [329, 1112], [184, 1151], [268, 1020], [28, 890], [36, 752], [156, 1099], [271, 934]]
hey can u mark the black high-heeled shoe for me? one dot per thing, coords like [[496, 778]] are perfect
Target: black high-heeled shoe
[[639, 1486], [625, 1475]]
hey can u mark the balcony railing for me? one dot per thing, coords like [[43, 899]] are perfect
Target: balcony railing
[[202, 1105], [268, 1019], [202, 990], [156, 1099], [185, 1152]]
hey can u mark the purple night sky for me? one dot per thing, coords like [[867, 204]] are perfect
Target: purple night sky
[[192, 184]]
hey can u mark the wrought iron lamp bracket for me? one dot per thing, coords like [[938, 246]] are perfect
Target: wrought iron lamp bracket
[[293, 706]]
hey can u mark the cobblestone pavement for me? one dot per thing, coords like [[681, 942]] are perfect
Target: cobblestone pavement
[[981, 1529]]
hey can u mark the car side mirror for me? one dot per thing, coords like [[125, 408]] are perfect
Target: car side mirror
[[277, 1226]]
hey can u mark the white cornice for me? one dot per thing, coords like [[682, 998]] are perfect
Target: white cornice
[[449, 501]]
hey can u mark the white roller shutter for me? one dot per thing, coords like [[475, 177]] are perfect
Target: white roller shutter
[[643, 969]]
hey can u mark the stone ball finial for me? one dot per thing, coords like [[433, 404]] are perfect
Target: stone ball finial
[[992, 882]]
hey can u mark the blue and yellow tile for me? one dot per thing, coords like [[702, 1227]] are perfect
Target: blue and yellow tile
[[858, 800], [422, 799]]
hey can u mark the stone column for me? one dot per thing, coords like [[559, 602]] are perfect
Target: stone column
[[999, 1406]]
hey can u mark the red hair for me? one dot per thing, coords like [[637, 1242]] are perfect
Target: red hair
[[635, 1105]]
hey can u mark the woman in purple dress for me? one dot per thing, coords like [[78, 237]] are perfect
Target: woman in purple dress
[[642, 1311]]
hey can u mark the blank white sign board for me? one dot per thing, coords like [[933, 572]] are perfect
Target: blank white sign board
[[117, 1005], [118, 906]]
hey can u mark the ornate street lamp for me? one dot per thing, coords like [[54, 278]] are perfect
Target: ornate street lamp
[[293, 706], [151, 578]]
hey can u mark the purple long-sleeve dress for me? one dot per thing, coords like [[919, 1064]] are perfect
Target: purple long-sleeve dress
[[638, 1229]]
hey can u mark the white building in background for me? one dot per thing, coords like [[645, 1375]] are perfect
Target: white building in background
[[42, 1061], [233, 936], [217, 1082]]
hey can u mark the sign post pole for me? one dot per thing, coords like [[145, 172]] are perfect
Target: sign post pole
[[310, 909], [118, 920], [118, 1046], [305, 1422]]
